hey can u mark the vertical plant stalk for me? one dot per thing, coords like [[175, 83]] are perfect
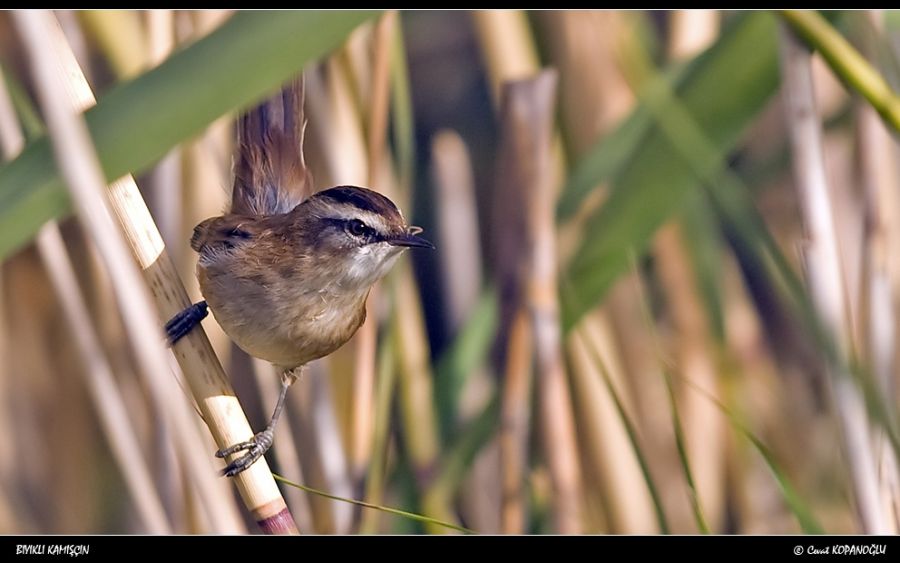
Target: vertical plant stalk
[[525, 264], [594, 97], [612, 452], [286, 454], [457, 217], [218, 405], [205, 169], [507, 46], [825, 274], [72, 148], [366, 339], [533, 104], [384, 392], [460, 259], [339, 150], [514, 415], [510, 53], [878, 173], [165, 179], [416, 395], [704, 429], [108, 402], [846, 62], [164, 185], [121, 38]]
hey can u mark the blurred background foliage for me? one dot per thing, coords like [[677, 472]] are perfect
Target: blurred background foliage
[[614, 335]]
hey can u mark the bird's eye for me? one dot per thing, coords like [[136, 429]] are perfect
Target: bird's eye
[[358, 228]]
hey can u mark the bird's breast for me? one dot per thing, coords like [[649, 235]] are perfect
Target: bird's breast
[[282, 324]]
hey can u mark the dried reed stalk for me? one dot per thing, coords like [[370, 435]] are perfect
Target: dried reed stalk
[[338, 148], [287, 454], [108, 401], [209, 385], [878, 173], [514, 414], [527, 268], [460, 261], [693, 31], [595, 97], [824, 273], [121, 37], [363, 387], [457, 219], [507, 46], [610, 459], [384, 395], [535, 105], [165, 178]]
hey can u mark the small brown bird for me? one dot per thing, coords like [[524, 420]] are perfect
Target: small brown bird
[[286, 277]]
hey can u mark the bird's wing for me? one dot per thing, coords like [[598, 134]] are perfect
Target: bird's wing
[[225, 233]]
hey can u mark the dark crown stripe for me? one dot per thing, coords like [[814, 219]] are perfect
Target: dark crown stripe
[[361, 198]]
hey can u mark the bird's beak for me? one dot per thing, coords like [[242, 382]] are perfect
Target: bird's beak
[[410, 239]]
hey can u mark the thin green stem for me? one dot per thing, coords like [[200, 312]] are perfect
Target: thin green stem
[[364, 504], [846, 62]]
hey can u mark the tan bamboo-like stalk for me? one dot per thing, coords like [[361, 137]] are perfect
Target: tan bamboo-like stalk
[[595, 97], [458, 225], [363, 387], [384, 396], [878, 173], [337, 146], [508, 49], [164, 188], [316, 433], [515, 338], [209, 385], [8, 520], [532, 107], [610, 457], [460, 259], [510, 53], [515, 412], [165, 180], [286, 454], [71, 26], [120, 36], [693, 31], [416, 394], [101, 385], [824, 271]]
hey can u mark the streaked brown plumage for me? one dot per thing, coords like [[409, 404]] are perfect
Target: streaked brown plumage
[[291, 288], [287, 274]]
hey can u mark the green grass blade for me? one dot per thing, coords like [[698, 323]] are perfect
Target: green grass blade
[[364, 504], [805, 517], [631, 431], [136, 123], [722, 93], [403, 122], [468, 350], [458, 459], [846, 62], [611, 153], [681, 444]]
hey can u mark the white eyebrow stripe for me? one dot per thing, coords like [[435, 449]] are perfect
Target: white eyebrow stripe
[[348, 212]]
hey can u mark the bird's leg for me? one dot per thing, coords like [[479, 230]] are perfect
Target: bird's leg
[[185, 321], [260, 443]]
